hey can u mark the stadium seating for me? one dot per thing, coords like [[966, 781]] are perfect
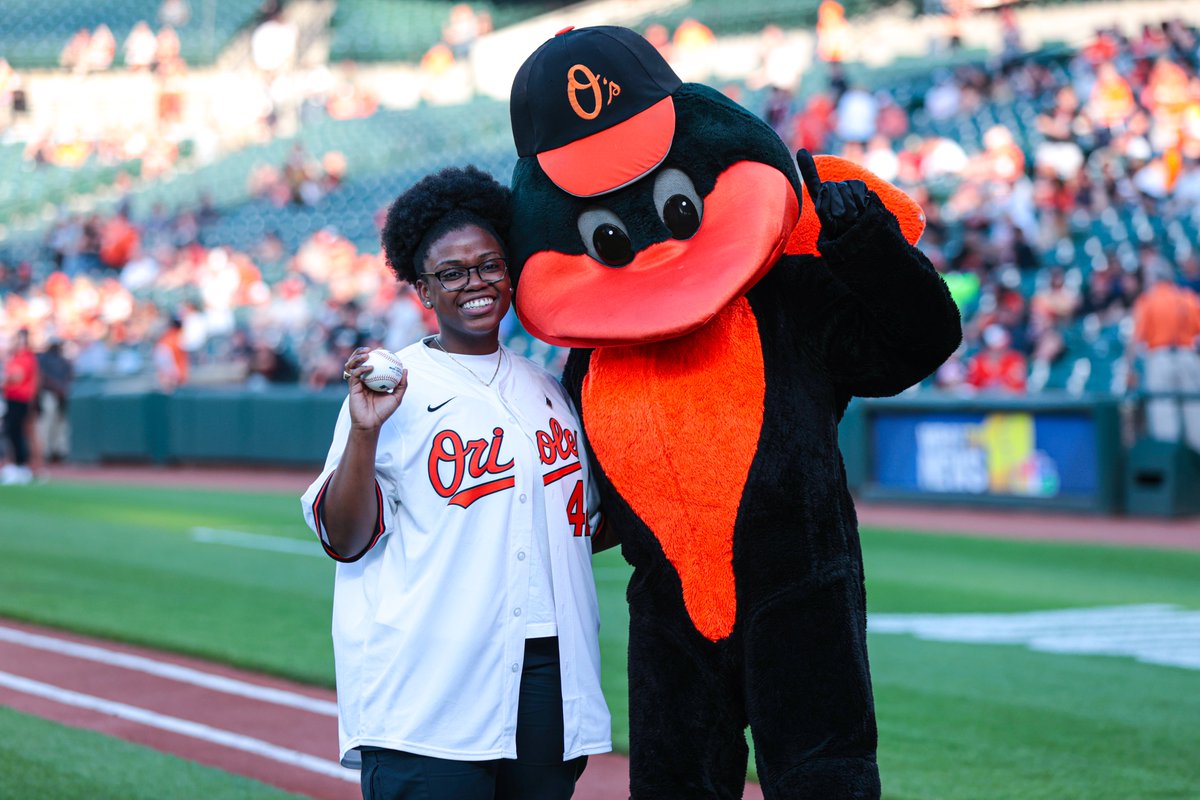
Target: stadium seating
[[403, 30], [389, 150], [751, 16], [34, 32]]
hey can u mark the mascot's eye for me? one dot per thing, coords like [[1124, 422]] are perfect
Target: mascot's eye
[[612, 245], [678, 203], [682, 216], [605, 237]]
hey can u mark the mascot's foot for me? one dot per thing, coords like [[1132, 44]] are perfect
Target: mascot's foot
[[827, 779]]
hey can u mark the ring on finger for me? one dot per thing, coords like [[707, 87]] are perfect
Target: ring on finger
[[345, 375]]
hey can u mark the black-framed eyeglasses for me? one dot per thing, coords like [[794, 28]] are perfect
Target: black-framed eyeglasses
[[454, 279]]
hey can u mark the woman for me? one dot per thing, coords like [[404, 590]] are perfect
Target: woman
[[460, 511]]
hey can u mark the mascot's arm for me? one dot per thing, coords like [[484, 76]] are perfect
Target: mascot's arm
[[878, 312]]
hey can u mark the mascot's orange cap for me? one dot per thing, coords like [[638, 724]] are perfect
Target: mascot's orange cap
[[594, 105]]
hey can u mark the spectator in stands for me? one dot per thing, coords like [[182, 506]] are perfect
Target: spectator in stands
[[1011, 49], [102, 48], [273, 46], [119, 240], [1063, 130], [170, 73], [1166, 332], [333, 171], [944, 98], [461, 30], [778, 111], [781, 62], [52, 426], [1111, 103], [957, 14], [1057, 300], [856, 113], [343, 338], [171, 363], [833, 32], [167, 45], [880, 158], [348, 99], [20, 392], [692, 47], [1189, 272], [139, 48], [813, 125], [997, 367], [174, 13], [1102, 297], [1002, 159], [74, 54], [270, 365], [951, 376], [302, 176]]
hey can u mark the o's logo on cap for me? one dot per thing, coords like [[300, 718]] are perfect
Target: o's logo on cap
[[582, 79]]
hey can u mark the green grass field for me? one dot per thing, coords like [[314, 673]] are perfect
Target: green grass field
[[957, 721]]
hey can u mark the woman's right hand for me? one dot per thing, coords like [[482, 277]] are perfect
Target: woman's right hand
[[369, 409]]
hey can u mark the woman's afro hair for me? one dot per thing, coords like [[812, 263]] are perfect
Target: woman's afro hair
[[457, 195]]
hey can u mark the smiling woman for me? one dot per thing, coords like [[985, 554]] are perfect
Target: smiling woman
[[461, 511]]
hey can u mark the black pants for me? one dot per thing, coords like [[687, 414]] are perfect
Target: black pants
[[15, 431], [537, 773], [794, 669]]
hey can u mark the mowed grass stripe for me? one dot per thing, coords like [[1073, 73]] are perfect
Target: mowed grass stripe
[[41, 759], [120, 562], [956, 721]]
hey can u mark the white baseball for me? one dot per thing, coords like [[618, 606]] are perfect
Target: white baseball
[[386, 371]]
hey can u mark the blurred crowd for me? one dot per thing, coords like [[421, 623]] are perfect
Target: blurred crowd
[[1033, 172], [1076, 148], [125, 290]]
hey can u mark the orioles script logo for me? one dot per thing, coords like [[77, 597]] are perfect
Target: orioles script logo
[[477, 458], [585, 91], [480, 458], [557, 445]]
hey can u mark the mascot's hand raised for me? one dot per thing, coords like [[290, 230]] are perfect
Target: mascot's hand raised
[[838, 204]]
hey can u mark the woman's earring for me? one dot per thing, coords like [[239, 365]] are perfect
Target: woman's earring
[[428, 304]]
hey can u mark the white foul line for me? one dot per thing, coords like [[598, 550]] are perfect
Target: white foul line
[[207, 680], [257, 541], [184, 727], [1157, 633]]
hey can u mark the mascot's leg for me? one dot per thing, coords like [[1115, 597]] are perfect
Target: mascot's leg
[[808, 692], [686, 719]]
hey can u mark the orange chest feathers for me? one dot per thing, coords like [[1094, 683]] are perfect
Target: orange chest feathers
[[675, 425]]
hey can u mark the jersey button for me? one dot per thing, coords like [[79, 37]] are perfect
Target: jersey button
[[520, 555], [516, 667], [523, 498], [516, 612]]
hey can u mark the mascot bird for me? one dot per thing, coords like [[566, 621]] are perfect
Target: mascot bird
[[717, 335]]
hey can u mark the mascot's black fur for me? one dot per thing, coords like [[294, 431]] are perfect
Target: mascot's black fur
[[752, 612]]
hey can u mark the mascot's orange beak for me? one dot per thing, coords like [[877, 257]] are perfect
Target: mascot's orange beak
[[673, 287]]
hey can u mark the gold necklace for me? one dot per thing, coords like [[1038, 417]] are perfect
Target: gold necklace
[[500, 357]]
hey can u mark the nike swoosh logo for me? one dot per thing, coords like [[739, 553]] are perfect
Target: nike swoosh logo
[[439, 405]]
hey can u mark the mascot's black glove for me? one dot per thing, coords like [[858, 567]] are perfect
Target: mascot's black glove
[[838, 204]]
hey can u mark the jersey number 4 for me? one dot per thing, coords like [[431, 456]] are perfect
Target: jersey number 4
[[577, 511]]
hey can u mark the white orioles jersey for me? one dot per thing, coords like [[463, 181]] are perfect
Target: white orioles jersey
[[429, 623]]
